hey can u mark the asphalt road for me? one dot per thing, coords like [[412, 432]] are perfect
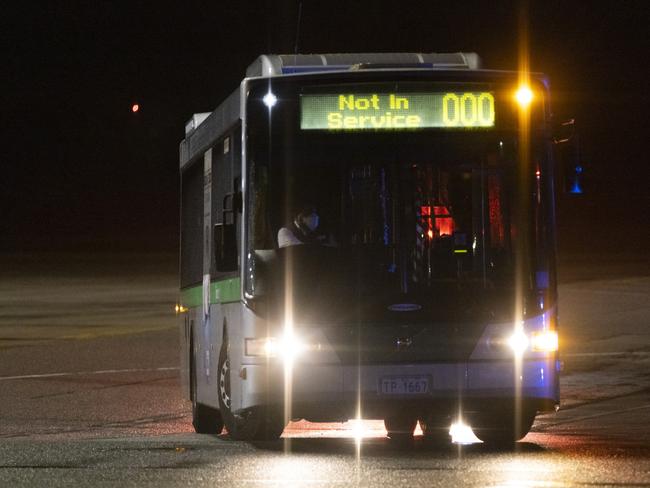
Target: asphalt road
[[89, 394]]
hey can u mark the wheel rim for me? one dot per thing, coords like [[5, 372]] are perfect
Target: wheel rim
[[224, 383]]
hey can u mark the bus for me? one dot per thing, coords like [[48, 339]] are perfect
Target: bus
[[423, 286]]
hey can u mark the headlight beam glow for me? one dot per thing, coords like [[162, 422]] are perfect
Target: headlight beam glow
[[462, 434]]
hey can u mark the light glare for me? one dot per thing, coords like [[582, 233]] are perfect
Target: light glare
[[270, 100], [359, 431], [518, 342], [524, 96], [291, 347]]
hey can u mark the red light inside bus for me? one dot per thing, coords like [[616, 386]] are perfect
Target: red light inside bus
[[444, 222]]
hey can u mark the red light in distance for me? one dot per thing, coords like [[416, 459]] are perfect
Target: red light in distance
[[135, 108]]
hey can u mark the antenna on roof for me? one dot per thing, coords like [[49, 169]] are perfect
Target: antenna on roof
[[295, 50]]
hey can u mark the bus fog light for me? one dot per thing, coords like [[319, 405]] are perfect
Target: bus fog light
[[518, 342], [544, 341]]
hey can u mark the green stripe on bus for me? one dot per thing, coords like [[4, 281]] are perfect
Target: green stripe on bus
[[224, 291], [192, 297]]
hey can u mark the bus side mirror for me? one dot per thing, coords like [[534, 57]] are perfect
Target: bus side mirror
[[567, 151], [225, 247]]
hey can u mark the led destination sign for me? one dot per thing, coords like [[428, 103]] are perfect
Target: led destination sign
[[396, 111]]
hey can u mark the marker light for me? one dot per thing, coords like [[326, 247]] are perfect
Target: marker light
[[270, 100], [539, 341], [524, 96], [544, 341], [135, 108]]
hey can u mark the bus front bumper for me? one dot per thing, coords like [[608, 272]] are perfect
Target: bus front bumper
[[334, 392]]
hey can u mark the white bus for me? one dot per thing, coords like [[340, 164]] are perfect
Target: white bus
[[370, 236]]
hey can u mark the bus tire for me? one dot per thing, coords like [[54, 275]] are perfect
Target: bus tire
[[271, 427], [503, 429], [435, 429], [206, 420], [400, 428], [255, 424]]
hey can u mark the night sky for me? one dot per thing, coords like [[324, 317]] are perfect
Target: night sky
[[81, 172]]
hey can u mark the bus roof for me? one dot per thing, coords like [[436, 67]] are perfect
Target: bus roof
[[203, 128], [268, 65]]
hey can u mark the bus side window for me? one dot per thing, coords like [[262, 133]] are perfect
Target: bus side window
[[192, 224], [225, 198], [225, 247]]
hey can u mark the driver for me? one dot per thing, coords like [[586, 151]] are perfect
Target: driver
[[303, 229]]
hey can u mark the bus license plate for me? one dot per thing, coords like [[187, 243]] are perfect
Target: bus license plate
[[405, 385]]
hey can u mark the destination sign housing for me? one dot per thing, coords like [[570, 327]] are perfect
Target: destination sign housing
[[396, 111]]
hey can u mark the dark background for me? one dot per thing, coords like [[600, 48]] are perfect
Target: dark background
[[81, 172]]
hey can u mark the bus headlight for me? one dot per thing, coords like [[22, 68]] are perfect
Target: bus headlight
[[518, 342], [287, 348]]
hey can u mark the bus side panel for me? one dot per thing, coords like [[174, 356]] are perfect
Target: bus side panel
[[231, 318], [249, 325], [205, 362], [207, 349], [221, 315]]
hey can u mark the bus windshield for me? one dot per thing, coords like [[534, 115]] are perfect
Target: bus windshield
[[413, 226]]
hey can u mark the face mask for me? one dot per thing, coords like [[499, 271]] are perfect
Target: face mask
[[311, 221]]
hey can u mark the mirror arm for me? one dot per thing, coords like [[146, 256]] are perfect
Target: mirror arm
[[564, 132]]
